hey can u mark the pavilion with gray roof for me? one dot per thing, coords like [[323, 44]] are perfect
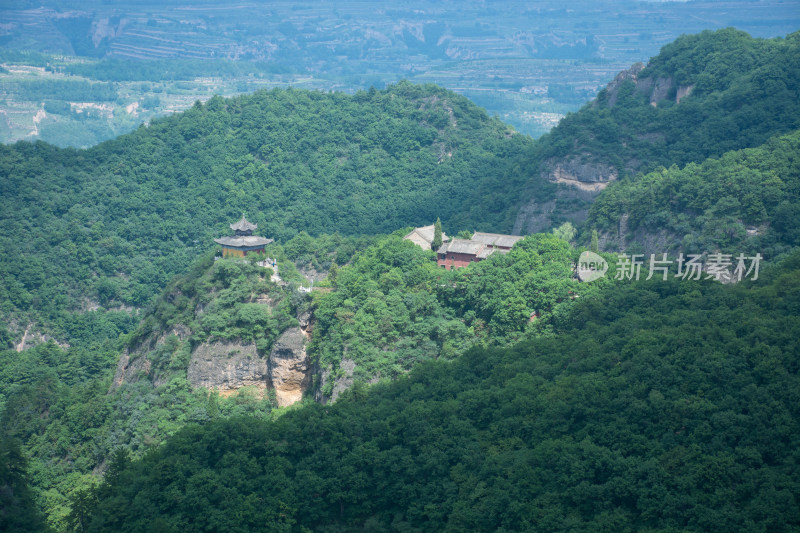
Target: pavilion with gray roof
[[243, 241]]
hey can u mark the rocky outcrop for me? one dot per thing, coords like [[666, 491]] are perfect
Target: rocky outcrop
[[289, 368], [584, 179], [683, 92], [227, 367], [589, 176], [656, 89], [31, 337], [612, 90], [585, 173], [340, 384], [623, 226], [135, 362], [130, 369], [533, 217]]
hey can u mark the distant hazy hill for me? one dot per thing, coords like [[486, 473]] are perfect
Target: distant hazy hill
[[153, 58], [109, 226], [702, 96]]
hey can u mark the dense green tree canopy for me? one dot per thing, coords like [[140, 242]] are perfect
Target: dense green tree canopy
[[394, 307], [741, 91], [109, 226], [711, 206], [533, 401], [656, 406]]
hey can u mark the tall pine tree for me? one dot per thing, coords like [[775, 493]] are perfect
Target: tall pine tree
[[437, 234]]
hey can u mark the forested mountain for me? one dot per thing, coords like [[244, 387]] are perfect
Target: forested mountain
[[109, 226], [393, 307], [657, 406], [106, 228], [227, 339], [506, 395], [72, 409], [746, 201], [701, 96]]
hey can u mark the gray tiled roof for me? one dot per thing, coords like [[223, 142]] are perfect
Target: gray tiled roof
[[243, 225], [486, 252], [461, 246], [496, 239], [426, 232], [243, 241]]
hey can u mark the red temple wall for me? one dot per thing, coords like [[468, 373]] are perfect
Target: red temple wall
[[455, 260]]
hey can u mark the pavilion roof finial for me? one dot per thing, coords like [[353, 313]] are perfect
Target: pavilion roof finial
[[243, 225]]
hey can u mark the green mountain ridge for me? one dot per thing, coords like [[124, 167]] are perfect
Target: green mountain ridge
[[72, 410], [112, 224], [746, 201], [109, 226], [509, 395], [736, 92], [657, 406]]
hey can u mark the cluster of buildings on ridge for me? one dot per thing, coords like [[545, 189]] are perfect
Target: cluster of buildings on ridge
[[453, 253], [458, 253]]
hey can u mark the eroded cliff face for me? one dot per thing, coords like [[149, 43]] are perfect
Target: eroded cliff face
[[289, 368], [225, 326], [31, 337], [229, 366], [340, 383], [612, 88], [585, 174], [656, 89], [137, 363]]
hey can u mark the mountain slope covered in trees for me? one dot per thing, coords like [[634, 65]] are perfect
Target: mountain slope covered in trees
[[394, 307], [660, 405], [663, 405], [72, 410], [389, 309], [744, 202], [109, 226], [701, 96]]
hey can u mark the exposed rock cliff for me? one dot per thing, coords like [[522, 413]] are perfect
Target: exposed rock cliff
[[136, 362], [581, 183], [612, 90], [655, 88], [340, 384], [31, 337], [227, 367], [289, 368], [244, 331], [588, 176], [584, 171]]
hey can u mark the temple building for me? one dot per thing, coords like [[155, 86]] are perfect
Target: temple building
[[423, 237], [459, 253], [496, 240], [243, 241]]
